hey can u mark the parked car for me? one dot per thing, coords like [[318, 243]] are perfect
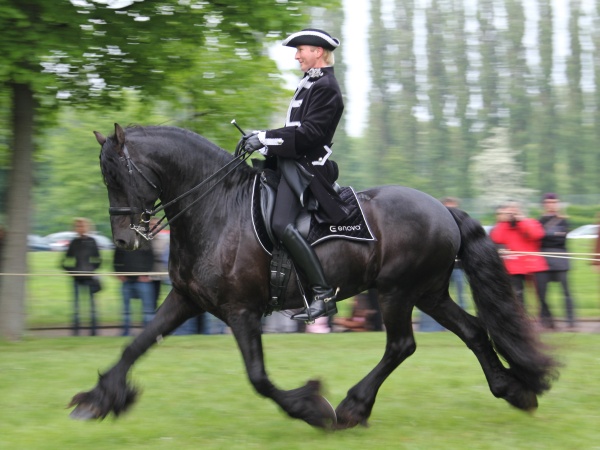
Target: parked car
[[60, 241], [584, 232], [37, 243]]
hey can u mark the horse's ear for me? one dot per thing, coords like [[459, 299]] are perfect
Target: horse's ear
[[120, 134], [100, 138]]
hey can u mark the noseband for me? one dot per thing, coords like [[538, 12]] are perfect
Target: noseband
[[142, 227]]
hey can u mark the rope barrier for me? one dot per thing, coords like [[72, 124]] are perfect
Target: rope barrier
[[573, 256]]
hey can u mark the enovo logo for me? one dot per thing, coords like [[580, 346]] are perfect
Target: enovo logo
[[342, 228]]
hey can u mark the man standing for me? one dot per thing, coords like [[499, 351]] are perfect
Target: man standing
[[301, 153], [554, 243], [81, 259], [133, 268]]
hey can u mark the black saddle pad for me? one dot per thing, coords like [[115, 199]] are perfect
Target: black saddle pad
[[355, 228]]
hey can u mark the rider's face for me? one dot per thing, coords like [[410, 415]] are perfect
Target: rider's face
[[308, 56]]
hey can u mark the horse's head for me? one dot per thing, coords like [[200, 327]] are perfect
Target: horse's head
[[132, 187]]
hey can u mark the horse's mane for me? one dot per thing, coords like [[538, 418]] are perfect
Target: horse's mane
[[200, 157], [197, 140]]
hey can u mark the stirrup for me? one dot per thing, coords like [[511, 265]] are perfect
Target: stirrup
[[308, 315]]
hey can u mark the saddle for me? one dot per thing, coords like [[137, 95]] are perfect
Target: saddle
[[264, 193]]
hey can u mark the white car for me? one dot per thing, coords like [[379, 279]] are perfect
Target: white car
[[584, 232], [60, 241]]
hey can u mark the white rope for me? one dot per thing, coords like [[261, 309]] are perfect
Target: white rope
[[573, 256]]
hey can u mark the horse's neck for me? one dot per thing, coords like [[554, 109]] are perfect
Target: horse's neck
[[205, 212], [195, 162]]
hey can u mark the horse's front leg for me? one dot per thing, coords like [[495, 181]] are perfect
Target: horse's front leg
[[305, 403], [113, 393]]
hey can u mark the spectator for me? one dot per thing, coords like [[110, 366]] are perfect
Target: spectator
[[362, 317], [213, 325], [518, 233], [2, 235], [321, 325], [457, 277], [160, 246], [135, 282], [83, 257], [554, 242], [596, 259], [279, 323]]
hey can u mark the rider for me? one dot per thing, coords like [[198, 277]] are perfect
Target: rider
[[302, 150]]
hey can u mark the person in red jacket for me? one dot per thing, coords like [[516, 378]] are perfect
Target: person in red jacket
[[517, 233]]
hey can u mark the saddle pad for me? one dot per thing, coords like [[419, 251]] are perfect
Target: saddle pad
[[354, 228]]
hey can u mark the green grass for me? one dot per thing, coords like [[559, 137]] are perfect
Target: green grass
[[196, 396], [49, 301]]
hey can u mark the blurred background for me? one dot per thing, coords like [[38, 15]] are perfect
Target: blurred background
[[482, 100]]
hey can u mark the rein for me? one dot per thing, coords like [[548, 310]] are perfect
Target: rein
[[142, 227]]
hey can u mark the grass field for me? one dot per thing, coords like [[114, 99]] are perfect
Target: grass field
[[196, 396], [49, 301]]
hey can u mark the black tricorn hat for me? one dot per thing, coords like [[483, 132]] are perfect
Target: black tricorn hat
[[312, 36]]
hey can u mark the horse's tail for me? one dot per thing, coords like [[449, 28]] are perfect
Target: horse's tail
[[500, 312]]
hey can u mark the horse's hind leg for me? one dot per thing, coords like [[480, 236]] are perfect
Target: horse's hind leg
[[356, 408], [470, 330], [113, 393]]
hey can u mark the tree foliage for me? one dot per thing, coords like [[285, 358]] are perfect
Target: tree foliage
[[479, 67], [201, 57]]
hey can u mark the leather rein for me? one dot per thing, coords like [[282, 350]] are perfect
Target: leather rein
[[143, 227]]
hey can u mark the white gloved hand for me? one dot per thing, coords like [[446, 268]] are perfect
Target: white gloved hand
[[253, 144]]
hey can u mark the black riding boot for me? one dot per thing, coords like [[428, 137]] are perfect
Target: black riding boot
[[323, 295]]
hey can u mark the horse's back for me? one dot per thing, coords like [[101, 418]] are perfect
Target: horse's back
[[399, 205], [413, 229]]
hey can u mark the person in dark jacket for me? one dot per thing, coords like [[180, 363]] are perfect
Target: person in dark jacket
[[136, 282], [301, 150], [554, 243], [81, 259]]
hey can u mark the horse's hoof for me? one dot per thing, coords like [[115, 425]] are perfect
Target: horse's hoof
[[84, 412], [330, 420], [525, 401]]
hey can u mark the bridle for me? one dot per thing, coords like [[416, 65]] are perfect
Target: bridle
[[143, 224]]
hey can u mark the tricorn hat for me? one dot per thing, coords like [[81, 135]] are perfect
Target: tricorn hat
[[312, 36]]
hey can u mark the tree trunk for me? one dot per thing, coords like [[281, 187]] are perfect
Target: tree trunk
[[14, 255]]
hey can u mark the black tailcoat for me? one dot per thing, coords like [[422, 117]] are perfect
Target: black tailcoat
[[312, 118]]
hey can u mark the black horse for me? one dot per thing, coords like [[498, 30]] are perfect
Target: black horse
[[217, 265]]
